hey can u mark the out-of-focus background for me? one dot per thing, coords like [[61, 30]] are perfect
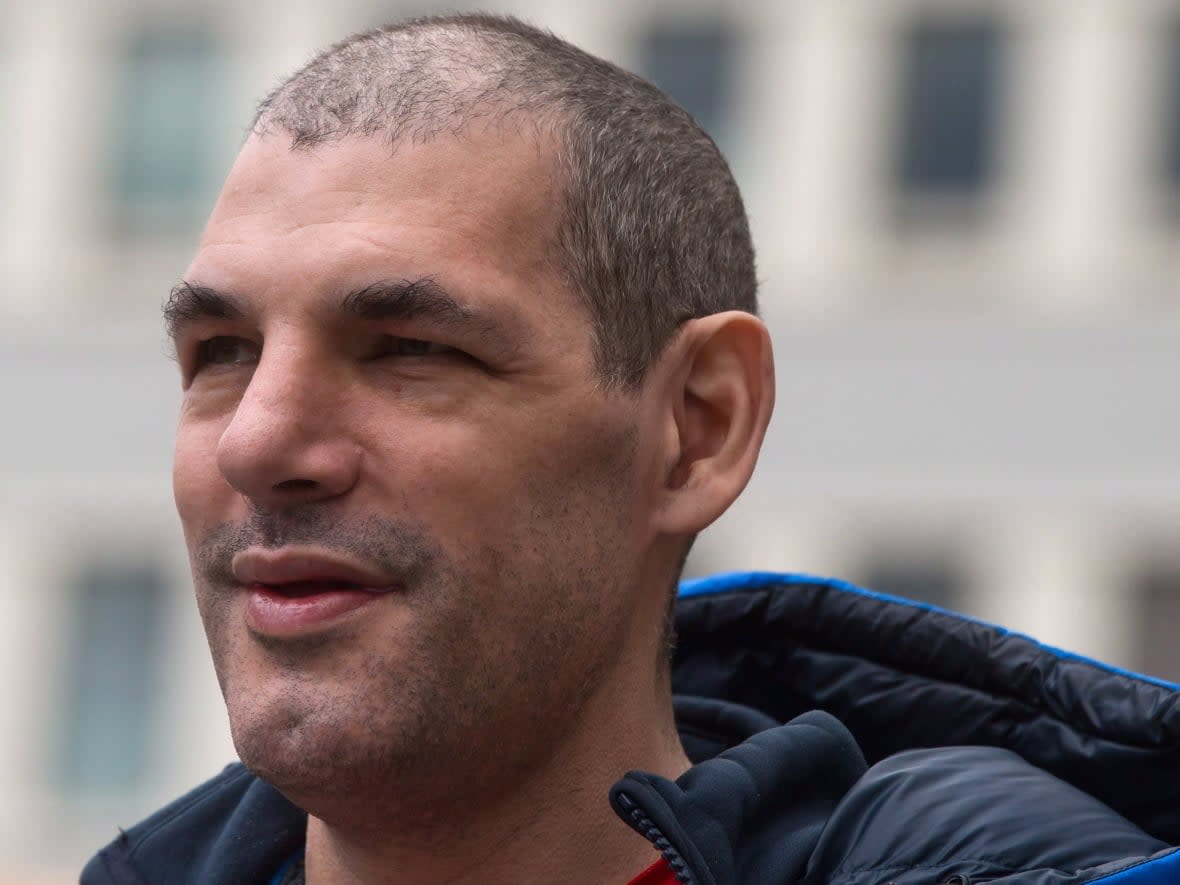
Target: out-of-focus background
[[968, 221]]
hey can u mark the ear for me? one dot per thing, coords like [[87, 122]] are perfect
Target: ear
[[719, 402]]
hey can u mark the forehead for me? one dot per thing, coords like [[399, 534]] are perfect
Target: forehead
[[479, 208]]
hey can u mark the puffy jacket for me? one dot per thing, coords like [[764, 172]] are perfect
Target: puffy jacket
[[920, 748]]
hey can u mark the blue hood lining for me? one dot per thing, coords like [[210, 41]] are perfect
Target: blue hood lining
[[1163, 870]]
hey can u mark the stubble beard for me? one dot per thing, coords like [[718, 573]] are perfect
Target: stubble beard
[[472, 696]]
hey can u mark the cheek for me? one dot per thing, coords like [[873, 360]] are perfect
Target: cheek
[[197, 485], [466, 474], [523, 483]]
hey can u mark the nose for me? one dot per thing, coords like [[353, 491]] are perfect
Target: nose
[[287, 443]]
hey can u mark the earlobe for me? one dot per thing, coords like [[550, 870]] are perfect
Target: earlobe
[[722, 397]]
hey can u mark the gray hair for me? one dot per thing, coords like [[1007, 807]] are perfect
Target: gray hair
[[652, 231]]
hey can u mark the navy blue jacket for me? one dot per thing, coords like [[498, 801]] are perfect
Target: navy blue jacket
[[921, 748]]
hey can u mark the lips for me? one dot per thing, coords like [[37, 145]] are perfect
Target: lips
[[300, 589], [302, 570], [295, 592]]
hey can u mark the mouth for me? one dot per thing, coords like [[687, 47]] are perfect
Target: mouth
[[304, 589], [292, 593], [300, 608]]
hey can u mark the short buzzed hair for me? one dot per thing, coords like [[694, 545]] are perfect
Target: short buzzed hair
[[652, 231]]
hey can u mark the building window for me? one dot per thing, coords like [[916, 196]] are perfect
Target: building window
[[1156, 614], [693, 62], [169, 98], [1171, 111], [935, 579], [113, 658], [950, 94], [6, 120]]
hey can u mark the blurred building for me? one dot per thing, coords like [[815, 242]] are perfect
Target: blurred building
[[968, 221]]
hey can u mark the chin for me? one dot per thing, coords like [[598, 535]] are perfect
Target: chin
[[339, 777], [292, 754], [312, 744]]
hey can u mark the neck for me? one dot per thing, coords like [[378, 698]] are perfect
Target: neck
[[554, 824]]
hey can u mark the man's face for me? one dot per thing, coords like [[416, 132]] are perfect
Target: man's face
[[414, 518]]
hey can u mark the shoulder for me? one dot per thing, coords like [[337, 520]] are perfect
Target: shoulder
[[232, 828], [982, 813]]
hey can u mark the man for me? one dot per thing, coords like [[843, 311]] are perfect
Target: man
[[469, 355]]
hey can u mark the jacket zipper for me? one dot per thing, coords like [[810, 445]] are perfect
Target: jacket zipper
[[644, 825]]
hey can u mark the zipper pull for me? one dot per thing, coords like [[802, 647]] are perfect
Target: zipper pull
[[646, 827]]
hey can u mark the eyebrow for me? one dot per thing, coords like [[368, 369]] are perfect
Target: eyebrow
[[189, 302], [408, 300], [384, 300]]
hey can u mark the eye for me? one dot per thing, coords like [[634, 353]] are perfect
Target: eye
[[226, 350], [392, 345]]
